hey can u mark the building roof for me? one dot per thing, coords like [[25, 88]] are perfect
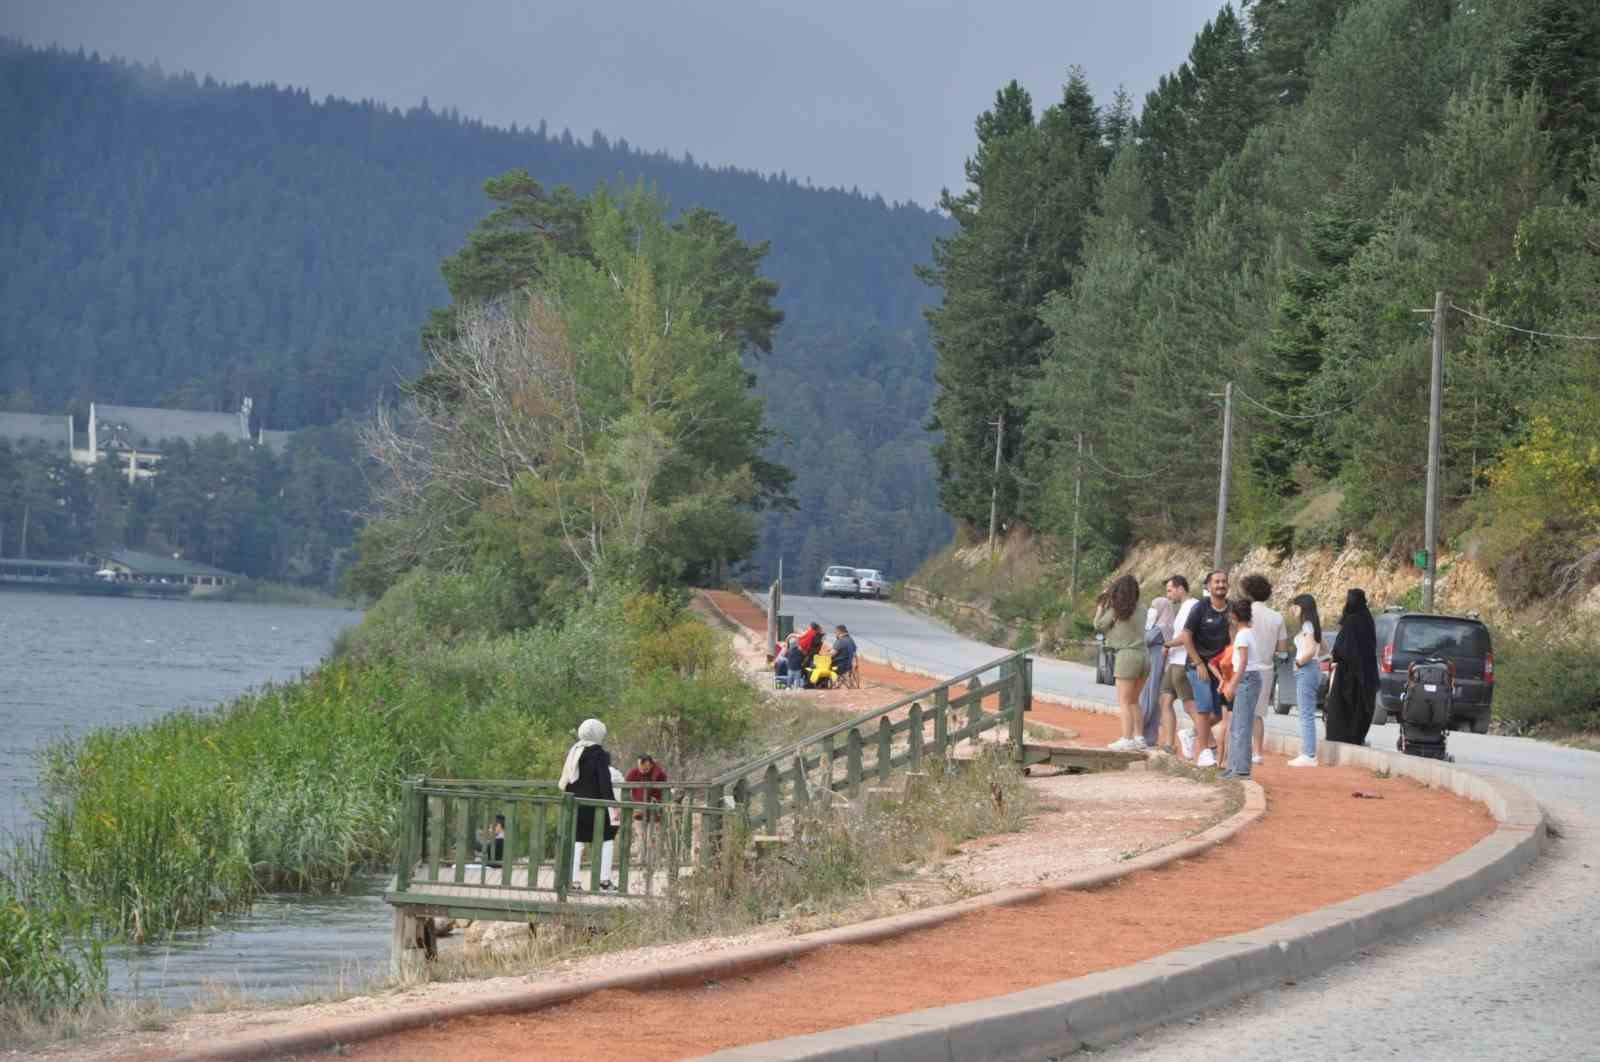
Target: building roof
[[143, 426], [52, 429], [156, 564]]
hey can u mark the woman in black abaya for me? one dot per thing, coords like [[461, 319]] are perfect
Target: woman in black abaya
[[1353, 686]]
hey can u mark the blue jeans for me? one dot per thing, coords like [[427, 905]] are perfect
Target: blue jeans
[[1241, 729], [1205, 694], [796, 678], [1307, 680]]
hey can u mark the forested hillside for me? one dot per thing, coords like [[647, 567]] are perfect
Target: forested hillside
[[1274, 216], [175, 241]]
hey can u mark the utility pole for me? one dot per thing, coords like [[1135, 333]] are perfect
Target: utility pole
[[1077, 495], [994, 490], [1227, 467], [1430, 571]]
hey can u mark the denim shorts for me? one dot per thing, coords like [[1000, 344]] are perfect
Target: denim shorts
[[1206, 701]]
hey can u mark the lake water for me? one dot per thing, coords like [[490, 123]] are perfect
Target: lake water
[[69, 663]]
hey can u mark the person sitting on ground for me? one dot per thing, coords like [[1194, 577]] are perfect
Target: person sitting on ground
[[493, 849], [844, 651], [587, 774]]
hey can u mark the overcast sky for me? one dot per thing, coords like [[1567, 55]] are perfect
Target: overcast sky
[[879, 94]]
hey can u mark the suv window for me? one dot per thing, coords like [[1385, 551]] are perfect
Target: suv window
[[1424, 635]]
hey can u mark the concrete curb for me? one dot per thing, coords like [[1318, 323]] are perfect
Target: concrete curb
[[1102, 1008], [717, 966]]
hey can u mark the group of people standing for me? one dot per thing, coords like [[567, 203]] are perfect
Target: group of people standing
[[1217, 659]]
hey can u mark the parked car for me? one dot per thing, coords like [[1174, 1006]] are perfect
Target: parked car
[[870, 583], [1407, 637], [837, 579], [1283, 697]]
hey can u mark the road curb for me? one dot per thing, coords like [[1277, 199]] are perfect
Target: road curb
[[718, 966], [1102, 1008]]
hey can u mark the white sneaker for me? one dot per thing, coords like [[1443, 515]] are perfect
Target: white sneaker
[[1255, 759], [1208, 758], [1303, 761], [1186, 740], [1136, 744], [1120, 745]]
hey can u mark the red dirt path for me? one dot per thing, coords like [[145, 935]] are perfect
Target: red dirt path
[[1316, 846]]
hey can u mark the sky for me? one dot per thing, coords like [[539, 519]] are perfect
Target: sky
[[875, 94]]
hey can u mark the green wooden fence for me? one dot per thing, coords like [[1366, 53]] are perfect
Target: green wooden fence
[[447, 862], [450, 863], [864, 752]]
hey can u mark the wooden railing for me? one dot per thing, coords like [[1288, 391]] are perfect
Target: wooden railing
[[449, 859], [866, 750]]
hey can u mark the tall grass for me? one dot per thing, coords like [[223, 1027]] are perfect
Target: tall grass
[[149, 829]]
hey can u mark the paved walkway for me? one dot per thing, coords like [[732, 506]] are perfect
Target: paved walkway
[[1514, 976]]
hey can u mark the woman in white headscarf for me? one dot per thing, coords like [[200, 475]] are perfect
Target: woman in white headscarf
[[587, 774]]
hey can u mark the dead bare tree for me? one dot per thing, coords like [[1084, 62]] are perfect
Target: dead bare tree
[[500, 405]]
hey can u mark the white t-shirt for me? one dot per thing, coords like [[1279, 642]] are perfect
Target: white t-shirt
[[1245, 639], [1180, 655], [1267, 623], [1305, 644]]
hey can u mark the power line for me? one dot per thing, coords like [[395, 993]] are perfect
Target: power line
[[1524, 331], [1293, 416], [1125, 475]]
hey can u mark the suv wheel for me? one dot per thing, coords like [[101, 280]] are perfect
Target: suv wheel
[[1481, 726], [1380, 715]]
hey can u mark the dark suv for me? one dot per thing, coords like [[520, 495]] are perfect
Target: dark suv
[[1407, 637]]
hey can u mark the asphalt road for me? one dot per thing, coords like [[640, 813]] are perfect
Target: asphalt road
[[1513, 976]]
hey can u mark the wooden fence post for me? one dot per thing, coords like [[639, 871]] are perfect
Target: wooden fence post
[[941, 722], [853, 763], [772, 808], [914, 723], [566, 834], [1017, 697]]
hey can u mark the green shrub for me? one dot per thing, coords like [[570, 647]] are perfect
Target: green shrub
[[40, 972], [1547, 683]]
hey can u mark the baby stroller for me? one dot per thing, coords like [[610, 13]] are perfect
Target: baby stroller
[[1425, 708]]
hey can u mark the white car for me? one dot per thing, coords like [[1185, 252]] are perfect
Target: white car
[[871, 583], [838, 579]]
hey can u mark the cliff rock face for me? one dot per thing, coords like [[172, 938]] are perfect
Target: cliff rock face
[[1326, 574]]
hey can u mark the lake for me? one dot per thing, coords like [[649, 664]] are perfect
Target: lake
[[69, 664]]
